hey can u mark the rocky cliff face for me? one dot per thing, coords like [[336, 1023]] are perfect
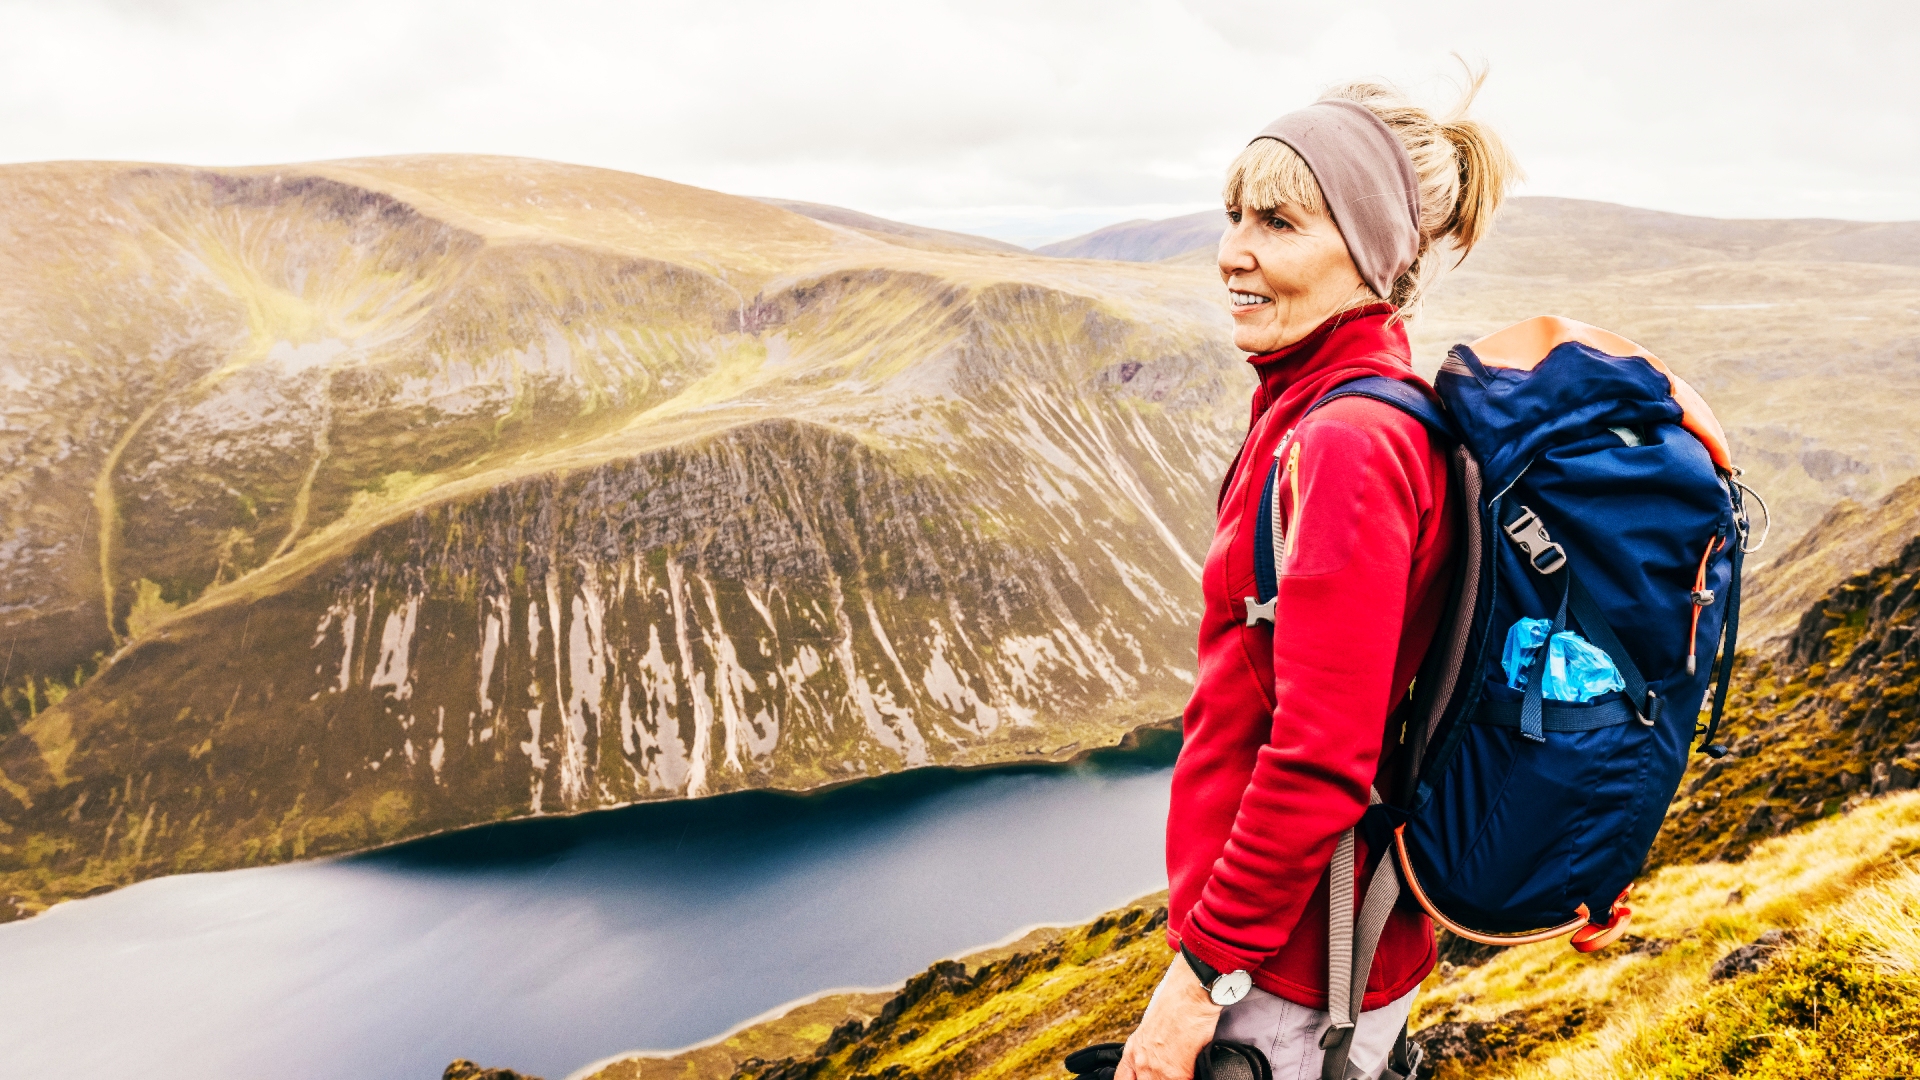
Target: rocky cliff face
[[1823, 720], [350, 502]]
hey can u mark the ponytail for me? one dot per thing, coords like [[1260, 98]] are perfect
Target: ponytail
[[1464, 170]]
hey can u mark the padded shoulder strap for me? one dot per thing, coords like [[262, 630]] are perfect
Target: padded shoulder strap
[[1401, 395], [1269, 538]]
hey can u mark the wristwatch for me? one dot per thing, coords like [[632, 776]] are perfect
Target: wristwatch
[[1223, 989]]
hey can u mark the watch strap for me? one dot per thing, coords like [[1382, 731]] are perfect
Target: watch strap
[[1205, 972]]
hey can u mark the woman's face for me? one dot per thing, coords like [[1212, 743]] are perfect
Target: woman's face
[[1286, 272]]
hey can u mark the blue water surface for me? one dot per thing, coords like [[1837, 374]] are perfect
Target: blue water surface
[[546, 945]]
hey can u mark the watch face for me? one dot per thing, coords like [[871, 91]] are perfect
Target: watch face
[[1231, 987]]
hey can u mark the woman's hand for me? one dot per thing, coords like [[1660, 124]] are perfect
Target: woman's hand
[[1179, 1021]]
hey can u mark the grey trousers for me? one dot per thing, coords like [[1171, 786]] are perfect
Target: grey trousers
[[1289, 1034]]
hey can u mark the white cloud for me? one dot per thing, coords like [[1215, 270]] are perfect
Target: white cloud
[[1011, 114]]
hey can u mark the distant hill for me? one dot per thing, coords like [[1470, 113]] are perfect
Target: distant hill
[[1144, 241], [1540, 233], [346, 502], [893, 231], [1804, 334]]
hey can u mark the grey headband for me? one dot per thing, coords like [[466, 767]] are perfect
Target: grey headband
[[1368, 181]]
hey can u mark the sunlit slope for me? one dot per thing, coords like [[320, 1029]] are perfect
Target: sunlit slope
[[369, 498]]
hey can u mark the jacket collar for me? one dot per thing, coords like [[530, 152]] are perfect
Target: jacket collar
[[1357, 338]]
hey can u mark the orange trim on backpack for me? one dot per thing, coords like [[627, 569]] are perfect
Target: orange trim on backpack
[[1524, 344], [1580, 915]]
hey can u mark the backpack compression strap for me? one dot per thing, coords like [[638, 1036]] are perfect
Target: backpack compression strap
[[1729, 629]]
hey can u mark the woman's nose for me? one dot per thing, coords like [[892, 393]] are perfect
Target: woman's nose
[[1236, 256]]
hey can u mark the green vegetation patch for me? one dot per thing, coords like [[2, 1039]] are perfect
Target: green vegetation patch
[[1826, 1008]]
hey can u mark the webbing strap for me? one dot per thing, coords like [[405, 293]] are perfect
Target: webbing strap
[[1533, 707], [1340, 933], [1587, 613], [1556, 716], [1351, 944], [1269, 538], [1405, 1060], [1729, 641]]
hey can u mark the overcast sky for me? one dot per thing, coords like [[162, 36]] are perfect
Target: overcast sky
[[1029, 120]]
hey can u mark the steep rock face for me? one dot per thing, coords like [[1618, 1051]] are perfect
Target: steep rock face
[[351, 502], [1848, 537], [1822, 719]]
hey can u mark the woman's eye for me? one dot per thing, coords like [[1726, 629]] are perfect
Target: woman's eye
[[1277, 222], [1233, 216]]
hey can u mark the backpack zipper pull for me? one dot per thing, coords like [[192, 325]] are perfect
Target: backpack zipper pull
[[1702, 596]]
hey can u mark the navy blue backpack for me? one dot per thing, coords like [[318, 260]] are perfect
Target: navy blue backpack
[[1596, 493]]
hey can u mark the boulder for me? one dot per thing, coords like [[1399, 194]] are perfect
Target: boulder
[[1902, 773], [1748, 958]]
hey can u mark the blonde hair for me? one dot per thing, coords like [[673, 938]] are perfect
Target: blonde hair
[[1464, 168]]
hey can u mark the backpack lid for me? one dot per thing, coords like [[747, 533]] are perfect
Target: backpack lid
[[1524, 344]]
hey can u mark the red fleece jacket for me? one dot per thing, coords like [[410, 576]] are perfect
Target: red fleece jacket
[[1288, 727]]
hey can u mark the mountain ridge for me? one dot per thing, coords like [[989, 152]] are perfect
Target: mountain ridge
[[441, 490]]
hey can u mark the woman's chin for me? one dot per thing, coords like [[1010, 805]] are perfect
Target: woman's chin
[[1257, 335]]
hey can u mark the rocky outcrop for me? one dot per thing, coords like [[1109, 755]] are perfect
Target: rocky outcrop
[[1749, 958], [1464, 1047], [462, 1069]]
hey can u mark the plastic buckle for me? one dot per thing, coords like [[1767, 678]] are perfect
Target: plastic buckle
[[1592, 938], [1529, 534], [1258, 612], [1336, 1035], [1702, 597]]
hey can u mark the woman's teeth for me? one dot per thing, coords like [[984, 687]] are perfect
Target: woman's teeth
[[1247, 299]]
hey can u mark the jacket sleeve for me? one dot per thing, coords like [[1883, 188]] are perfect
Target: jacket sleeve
[[1362, 487]]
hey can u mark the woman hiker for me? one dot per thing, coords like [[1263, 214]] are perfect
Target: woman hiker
[[1337, 214]]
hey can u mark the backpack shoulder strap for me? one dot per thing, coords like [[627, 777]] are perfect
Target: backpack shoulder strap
[[1268, 538], [1401, 395]]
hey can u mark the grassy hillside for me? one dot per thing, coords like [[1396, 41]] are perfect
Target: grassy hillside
[[344, 503], [1850, 535]]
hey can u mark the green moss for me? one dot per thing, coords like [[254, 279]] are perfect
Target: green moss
[[1825, 1009]]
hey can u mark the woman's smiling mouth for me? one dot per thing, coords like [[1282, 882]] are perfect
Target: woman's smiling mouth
[[1246, 299]]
